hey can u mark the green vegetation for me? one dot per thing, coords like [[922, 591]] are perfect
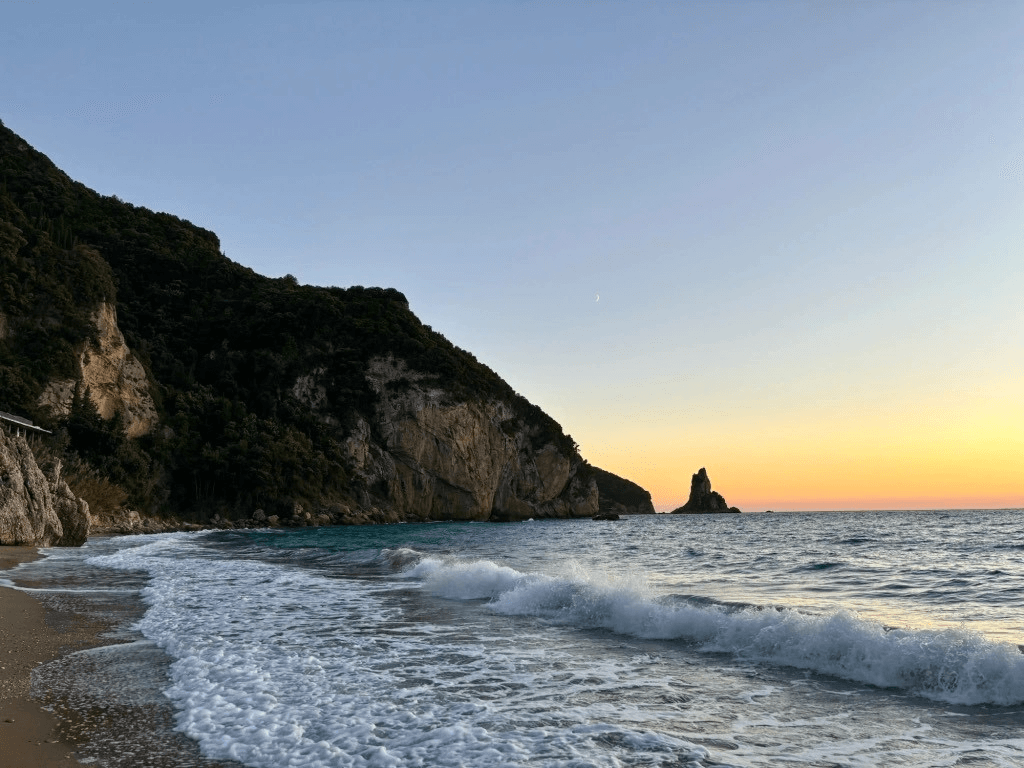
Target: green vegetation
[[224, 344]]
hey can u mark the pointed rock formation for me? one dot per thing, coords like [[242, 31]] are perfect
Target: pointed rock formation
[[702, 498]]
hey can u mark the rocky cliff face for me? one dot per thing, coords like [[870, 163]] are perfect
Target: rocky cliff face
[[426, 457], [36, 511], [114, 378]]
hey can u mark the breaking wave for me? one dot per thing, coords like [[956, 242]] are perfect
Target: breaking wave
[[949, 665]]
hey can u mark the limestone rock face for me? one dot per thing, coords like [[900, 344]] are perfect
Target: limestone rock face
[[702, 498], [426, 457], [72, 512], [116, 380], [34, 511]]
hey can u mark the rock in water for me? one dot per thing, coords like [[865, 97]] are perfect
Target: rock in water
[[702, 498], [31, 506]]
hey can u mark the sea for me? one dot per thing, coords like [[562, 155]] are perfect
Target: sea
[[690, 641]]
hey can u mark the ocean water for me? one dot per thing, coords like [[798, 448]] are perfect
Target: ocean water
[[829, 639]]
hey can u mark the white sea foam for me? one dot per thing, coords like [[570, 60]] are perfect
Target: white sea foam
[[468, 581], [278, 666], [950, 665]]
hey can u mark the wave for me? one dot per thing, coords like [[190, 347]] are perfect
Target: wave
[[955, 666]]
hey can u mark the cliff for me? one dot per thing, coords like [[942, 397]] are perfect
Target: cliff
[[438, 458], [36, 511], [619, 496], [189, 388]]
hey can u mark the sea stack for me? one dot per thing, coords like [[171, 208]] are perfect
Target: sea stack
[[702, 498]]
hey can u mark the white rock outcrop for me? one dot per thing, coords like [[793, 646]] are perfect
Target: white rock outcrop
[[430, 458], [36, 511], [115, 379]]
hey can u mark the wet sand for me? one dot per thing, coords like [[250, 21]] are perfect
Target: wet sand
[[30, 635]]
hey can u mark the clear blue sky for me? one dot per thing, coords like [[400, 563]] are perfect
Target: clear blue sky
[[803, 219]]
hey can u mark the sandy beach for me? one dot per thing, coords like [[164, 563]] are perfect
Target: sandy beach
[[30, 635]]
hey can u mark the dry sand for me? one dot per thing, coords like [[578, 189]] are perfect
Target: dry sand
[[31, 634]]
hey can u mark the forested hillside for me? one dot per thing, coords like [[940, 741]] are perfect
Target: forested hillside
[[222, 347]]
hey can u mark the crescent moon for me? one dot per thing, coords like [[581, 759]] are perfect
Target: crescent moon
[[598, 297]]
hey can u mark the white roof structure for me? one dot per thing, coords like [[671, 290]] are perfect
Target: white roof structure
[[17, 424]]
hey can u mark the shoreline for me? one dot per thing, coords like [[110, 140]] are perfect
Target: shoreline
[[32, 634]]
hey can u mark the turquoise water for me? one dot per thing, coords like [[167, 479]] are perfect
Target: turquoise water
[[825, 639]]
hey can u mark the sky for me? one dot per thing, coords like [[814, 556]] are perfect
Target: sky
[[779, 240]]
